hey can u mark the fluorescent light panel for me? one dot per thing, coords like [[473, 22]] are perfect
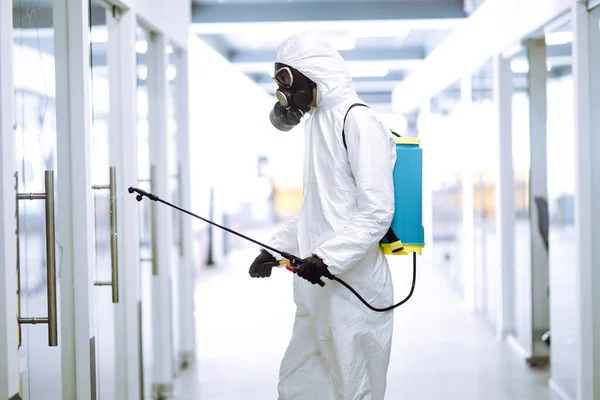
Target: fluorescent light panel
[[141, 46], [368, 71], [370, 31], [521, 66], [558, 38], [267, 67], [342, 42], [99, 35], [360, 28]]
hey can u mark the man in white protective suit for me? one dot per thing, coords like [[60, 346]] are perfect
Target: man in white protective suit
[[339, 350]]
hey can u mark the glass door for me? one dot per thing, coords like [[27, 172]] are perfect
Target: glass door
[[522, 229], [562, 235], [38, 248], [175, 193], [147, 231], [106, 288], [487, 272]]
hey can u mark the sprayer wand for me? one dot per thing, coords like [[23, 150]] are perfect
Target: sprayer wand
[[293, 260]]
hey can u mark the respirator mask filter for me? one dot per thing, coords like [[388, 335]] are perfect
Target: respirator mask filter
[[294, 94]]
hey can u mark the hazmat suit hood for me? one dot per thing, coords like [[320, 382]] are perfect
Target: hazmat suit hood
[[312, 55]]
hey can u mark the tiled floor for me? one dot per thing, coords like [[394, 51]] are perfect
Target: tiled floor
[[440, 350]]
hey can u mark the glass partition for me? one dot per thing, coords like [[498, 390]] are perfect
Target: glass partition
[[145, 177], [484, 131], [522, 234], [446, 127], [35, 153], [104, 206], [561, 207], [175, 193]]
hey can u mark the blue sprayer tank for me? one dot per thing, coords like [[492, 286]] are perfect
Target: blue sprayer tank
[[407, 223]]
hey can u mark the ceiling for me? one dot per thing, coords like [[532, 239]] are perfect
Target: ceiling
[[382, 41]]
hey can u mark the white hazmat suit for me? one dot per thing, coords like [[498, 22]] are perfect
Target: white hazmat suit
[[339, 349]]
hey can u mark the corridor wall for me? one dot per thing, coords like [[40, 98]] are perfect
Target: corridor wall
[[562, 234], [230, 130], [553, 159], [46, 54]]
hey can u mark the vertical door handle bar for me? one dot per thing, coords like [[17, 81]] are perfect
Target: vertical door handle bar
[[51, 260], [114, 249], [180, 191], [153, 221], [52, 319]]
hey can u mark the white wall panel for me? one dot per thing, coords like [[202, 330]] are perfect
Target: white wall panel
[[170, 17], [8, 332]]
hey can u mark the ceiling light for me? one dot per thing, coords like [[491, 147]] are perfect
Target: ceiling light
[[99, 36], [342, 43], [141, 46], [519, 66], [368, 71], [142, 72], [171, 73], [380, 32], [558, 38], [169, 49], [522, 66]]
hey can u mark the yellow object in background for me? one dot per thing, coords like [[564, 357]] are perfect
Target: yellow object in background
[[287, 202]]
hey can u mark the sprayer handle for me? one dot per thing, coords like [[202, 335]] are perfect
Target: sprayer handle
[[292, 269]]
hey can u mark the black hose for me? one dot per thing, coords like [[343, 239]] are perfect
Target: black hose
[[412, 289], [293, 259]]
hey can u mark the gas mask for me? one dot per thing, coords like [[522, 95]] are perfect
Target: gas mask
[[294, 94]]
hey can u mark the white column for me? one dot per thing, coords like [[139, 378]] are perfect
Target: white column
[[586, 73], [74, 223], [504, 196], [124, 156], [538, 184], [8, 328], [186, 271], [161, 294], [468, 206]]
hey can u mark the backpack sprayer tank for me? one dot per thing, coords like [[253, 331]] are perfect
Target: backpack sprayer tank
[[407, 223], [406, 233]]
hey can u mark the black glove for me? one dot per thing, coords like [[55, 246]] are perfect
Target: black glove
[[312, 269], [262, 265]]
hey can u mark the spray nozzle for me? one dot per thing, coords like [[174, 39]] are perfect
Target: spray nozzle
[[141, 193]]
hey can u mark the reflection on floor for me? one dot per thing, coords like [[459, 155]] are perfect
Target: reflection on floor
[[440, 350]]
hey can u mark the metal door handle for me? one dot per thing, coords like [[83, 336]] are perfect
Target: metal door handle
[[114, 249], [153, 221], [51, 320], [152, 258], [180, 195]]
